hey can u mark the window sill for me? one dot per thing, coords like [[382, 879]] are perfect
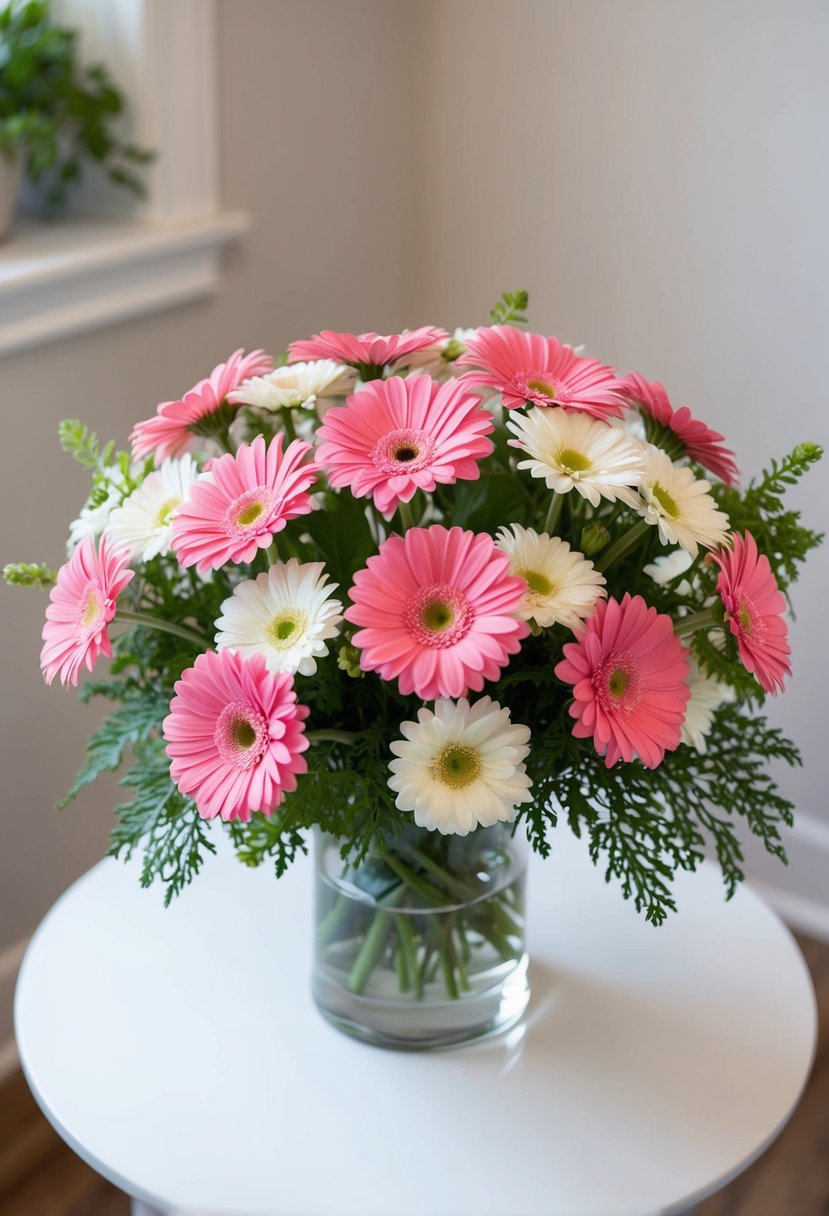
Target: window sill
[[81, 274]]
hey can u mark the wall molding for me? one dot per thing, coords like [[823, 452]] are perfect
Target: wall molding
[[88, 273]]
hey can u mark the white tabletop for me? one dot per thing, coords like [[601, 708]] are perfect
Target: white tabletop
[[180, 1054]]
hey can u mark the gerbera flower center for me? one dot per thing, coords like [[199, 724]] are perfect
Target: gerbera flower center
[[404, 450], [537, 582], [750, 620], [457, 766], [165, 512], [540, 386], [92, 615], [241, 735], [286, 629], [617, 683], [438, 616], [666, 502], [249, 512], [573, 462]]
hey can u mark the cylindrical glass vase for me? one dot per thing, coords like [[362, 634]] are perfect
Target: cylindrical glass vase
[[421, 944]]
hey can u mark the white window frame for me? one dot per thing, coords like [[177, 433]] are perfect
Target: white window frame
[[123, 259]]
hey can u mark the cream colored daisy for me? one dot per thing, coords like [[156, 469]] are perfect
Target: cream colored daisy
[[668, 566], [679, 504], [461, 766], [707, 695], [144, 523], [562, 585], [572, 451], [286, 615], [298, 384]]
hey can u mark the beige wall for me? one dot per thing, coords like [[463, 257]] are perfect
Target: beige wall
[[310, 117], [654, 171]]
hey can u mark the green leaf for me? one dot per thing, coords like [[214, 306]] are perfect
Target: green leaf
[[485, 505], [511, 308], [134, 722], [30, 574], [342, 533], [83, 444], [164, 822]]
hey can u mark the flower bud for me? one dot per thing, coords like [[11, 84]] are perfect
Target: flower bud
[[594, 537]]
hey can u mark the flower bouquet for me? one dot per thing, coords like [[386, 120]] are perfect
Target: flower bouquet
[[427, 594]]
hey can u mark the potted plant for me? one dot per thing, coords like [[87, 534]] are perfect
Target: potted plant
[[55, 113]]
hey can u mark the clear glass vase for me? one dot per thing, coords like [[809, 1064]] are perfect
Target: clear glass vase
[[421, 944]]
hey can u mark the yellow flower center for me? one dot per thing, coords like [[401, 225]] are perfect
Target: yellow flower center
[[542, 386], [618, 683], [286, 628], [249, 514], [457, 766], [537, 582], [571, 461], [668, 504], [243, 733], [165, 511], [92, 610]]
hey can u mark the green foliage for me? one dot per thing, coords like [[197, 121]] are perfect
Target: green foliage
[[164, 822], [55, 111], [511, 308], [136, 721], [760, 509], [83, 444], [644, 825], [29, 574]]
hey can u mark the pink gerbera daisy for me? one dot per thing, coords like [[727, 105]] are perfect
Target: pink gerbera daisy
[[369, 352], [753, 608], [527, 369], [235, 735], [175, 424], [437, 611], [629, 672], [81, 605], [242, 502], [397, 436], [691, 438]]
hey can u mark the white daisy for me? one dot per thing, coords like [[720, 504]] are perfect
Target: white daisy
[[668, 567], [145, 520], [707, 695], [94, 515], [461, 766], [285, 615], [294, 385], [679, 503], [572, 451], [562, 586]]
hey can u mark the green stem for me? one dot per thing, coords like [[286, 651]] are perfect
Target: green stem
[[406, 516], [553, 513], [370, 951], [273, 553], [417, 882], [455, 886], [288, 425], [407, 947], [446, 967], [332, 736], [332, 920], [695, 620], [153, 622], [622, 545]]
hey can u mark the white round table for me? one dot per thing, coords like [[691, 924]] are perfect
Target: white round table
[[179, 1053]]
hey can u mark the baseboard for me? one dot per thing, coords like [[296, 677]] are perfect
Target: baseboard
[[10, 960], [799, 892]]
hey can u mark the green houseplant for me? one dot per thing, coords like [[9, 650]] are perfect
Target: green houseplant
[[55, 112]]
